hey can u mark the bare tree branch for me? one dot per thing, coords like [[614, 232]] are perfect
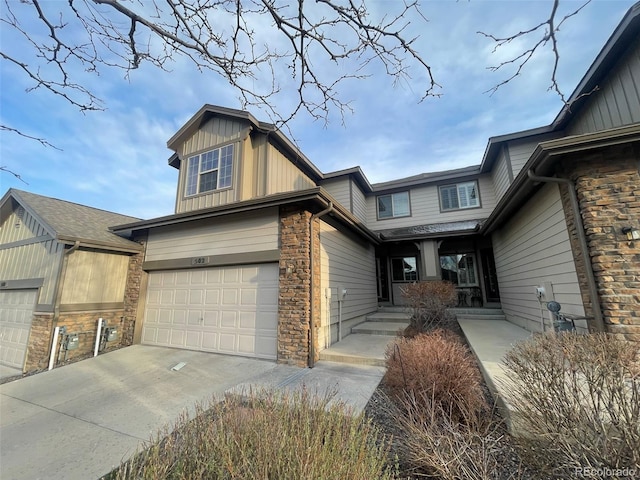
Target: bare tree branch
[[547, 31], [3, 168], [222, 36], [30, 137]]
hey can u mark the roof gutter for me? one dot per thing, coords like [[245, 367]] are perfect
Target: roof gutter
[[312, 335], [598, 324]]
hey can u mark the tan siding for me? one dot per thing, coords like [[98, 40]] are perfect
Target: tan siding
[[284, 176], [500, 175], [339, 190], [359, 202], [617, 102], [214, 132], [521, 150], [37, 260], [14, 228], [247, 233], [533, 248], [425, 208], [93, 277], [351, 265]]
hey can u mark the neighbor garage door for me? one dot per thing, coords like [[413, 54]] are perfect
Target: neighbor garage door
[[16, 312], [222, 309]]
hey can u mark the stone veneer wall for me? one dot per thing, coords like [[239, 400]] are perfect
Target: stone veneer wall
[[131, 298], [39, 345], [608, 188], [295, 287]]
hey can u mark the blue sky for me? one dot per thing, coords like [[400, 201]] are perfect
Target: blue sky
[[116, 159]]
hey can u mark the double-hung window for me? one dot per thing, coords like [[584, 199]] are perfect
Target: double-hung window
[[460, 195], [394, 205], [210, 170]]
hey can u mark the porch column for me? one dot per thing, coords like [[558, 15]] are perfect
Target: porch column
[[430, 261]]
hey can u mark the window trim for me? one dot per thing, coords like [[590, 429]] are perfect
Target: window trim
[[378, 217], [458, 185], [201, 172]]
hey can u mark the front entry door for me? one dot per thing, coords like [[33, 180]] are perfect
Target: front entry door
[[382, 277], [489, 274]]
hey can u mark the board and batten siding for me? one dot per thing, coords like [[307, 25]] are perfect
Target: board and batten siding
[[500, 174], [617, 101], [94, 277], [41, 259], [215, 133], [531, 249], [425, 207], [284, 176], [344, 263], [250, 232]]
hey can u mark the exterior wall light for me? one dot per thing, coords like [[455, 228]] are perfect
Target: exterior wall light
[[631, 233]]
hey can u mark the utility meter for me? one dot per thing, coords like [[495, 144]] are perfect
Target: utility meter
[[72, 342], [112, 334]]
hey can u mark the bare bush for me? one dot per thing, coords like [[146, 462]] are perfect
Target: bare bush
[[436, 367], [428, 303], [577, 397], [436, 445]]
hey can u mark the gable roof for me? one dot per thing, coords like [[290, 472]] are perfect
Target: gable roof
[[70, 222], [274, 135]]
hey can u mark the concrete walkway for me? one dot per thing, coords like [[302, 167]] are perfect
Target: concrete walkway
[[82, 420], [490, 340]]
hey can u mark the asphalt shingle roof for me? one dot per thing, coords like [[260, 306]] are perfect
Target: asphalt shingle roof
[[74, 221], [433, 229]]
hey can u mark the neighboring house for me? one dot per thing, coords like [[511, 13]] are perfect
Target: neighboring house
[[266, 256], [60, 266]]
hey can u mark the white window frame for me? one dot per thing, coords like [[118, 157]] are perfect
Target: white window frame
[[463, 194], [196, 170], [394, 204]]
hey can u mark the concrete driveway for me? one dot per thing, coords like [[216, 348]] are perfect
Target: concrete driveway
[[80, 421]]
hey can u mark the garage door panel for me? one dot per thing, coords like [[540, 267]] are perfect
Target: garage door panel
[[16, 313], [235, 309], [212, 297]]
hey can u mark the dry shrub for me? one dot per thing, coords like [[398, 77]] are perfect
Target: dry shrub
[[577, 398], [265, 435], [437, 445], [428, 303], [437, 369]]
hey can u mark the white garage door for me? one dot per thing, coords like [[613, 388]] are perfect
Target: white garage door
[[16, 311], [222, 309]]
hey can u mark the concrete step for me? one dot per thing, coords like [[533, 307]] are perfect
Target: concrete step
[[401, 317], [392, 308], [469, 316], [379, 328], [358, 349], [476, 311]]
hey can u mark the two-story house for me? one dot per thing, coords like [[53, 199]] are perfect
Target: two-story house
[[267, 256]]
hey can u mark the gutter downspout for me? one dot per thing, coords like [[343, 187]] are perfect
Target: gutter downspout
[[312, 339], [582, 238]]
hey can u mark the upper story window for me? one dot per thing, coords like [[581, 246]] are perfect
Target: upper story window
[[394, 205], [458, 196], [210, 170]]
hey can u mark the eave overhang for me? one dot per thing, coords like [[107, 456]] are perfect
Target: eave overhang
[[434, 230], [542, 162], [315, 199]]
